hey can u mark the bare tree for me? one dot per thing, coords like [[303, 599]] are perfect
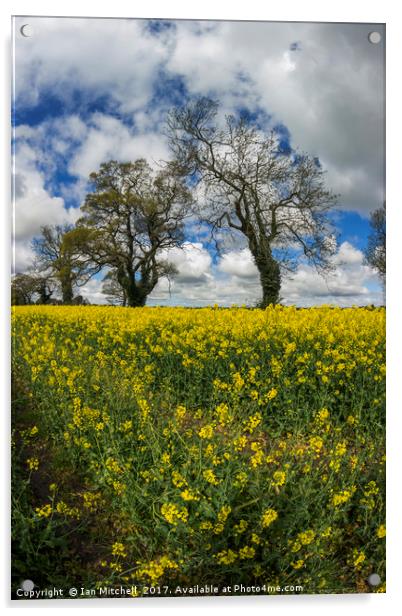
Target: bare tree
[[115, 293], [376, 247], [277, 201], [132, 216], [59, 257]]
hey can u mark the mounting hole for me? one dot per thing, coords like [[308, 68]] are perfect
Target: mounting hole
[[374, 37], [374, 579], [26, 30]]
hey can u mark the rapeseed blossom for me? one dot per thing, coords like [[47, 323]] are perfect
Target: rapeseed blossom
[[269, 516], [173, 514], [223, 438]]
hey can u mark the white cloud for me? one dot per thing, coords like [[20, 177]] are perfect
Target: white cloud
[[109, 138], [235, 280], [348, 255], [238, 263], [351, 283], [98, 56], [83, 146], [92, 291], [192, 260], [33, 207]]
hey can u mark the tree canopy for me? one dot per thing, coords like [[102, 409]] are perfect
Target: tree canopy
[[31, 287], [276, 200], [131, 217], [59, 257]]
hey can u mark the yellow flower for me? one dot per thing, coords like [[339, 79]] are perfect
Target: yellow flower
[[343, 497], [189, 496], [161, 435], [381, 532], [258, 457], [269, 516], [126, 426], [66, 510], [44, 512], [272, 394], [119, 487], [154, 569], [178, 480], [246, 552], [112, 465], [91, 500], [144, 408], [206, 431], [223, 513], [340, 449], [210, 476], [240, 443], [165, 459], [222, 411], [240, 480], [226, 557], [353, 461], [118, 549], [306, 537], [358, 558], [371, 488], [33, 464], [219, 528], [316, 443], [180, 412], [298, 564], [252, 422], [173, 514], [323, 415], [238, 381], [279, 478], [296, 546], [240, 527]]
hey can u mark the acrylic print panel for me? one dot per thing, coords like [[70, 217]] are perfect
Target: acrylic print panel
[[198, 319]]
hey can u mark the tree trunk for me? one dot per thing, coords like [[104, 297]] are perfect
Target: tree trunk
[[45, 294], [135, 290], [67, 291], [270, 277], [135, 298]]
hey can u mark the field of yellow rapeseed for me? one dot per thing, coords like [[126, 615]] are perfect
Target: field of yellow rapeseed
[[167, 446]]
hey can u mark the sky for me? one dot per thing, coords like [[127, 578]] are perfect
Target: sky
[[91, 90]]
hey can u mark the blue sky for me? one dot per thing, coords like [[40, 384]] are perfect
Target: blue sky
[[92, 90]]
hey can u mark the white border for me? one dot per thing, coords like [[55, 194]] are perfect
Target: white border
[[291, 10]]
